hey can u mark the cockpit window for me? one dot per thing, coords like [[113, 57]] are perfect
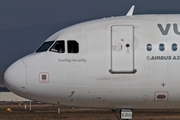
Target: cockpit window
[[73, 46], [59, 47], [44, 46]]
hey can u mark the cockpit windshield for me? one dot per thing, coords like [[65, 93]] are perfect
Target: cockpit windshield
[[45, 46]]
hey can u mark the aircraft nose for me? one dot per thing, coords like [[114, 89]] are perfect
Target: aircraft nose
[[15, 77]]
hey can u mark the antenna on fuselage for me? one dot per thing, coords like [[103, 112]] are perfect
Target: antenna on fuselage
[[131, 11]]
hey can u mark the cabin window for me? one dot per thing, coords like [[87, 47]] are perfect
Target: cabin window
[[45, 46], [73, 46], [174, 46], [161, 47], [59, 47], [149, 47]]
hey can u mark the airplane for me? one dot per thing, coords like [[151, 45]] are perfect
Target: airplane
[[119, 63]]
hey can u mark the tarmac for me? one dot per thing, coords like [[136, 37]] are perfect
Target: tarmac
[[50, 112]]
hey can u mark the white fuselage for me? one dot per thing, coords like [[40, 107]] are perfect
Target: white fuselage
[[122, 62]]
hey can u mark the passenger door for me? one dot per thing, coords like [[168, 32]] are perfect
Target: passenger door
[[122, 49]]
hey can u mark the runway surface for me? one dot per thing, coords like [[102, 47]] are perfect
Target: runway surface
[[50, 112]]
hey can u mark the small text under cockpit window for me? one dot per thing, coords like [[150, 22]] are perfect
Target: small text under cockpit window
[[45, 46], [59, 47], [73, 46]]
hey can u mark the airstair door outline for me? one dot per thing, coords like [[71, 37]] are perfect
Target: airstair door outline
[[122, 49]]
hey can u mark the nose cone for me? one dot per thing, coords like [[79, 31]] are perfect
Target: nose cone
[[15, 78]]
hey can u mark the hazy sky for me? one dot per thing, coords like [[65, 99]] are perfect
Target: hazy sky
[[25, 24]]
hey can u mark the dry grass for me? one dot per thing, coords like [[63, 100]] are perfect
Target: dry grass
[[49, 112]]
